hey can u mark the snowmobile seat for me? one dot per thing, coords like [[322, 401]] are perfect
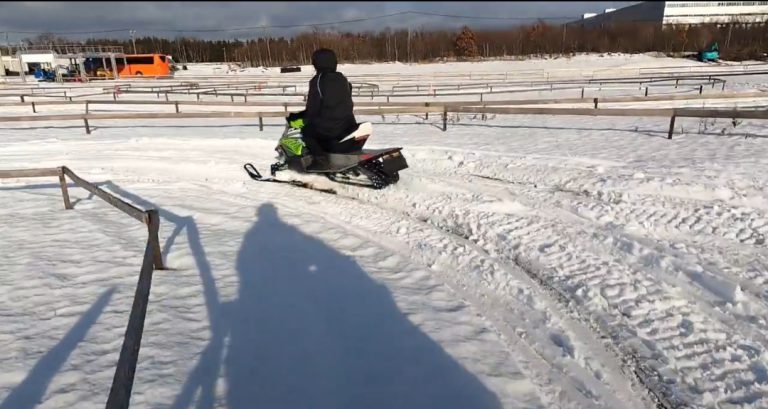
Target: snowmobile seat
[[355, 141]]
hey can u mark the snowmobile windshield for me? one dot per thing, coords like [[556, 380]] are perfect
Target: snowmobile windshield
[[324, 60]]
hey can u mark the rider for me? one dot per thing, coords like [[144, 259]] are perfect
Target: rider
[[328, 116]]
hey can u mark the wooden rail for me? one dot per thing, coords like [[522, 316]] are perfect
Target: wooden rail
[[122, 382], [125, 372], [284, 104], [444, 108]]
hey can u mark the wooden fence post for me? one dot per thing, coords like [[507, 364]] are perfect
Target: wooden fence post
[[34, 111], [646, 91], [86, 107], [701, 89], [153, 226], [261, 123], [166, 96], [671, 127], [87, 128], [445, 119], [582, 92], [595, 101], [22, 98], [64, 191], [177, 106]]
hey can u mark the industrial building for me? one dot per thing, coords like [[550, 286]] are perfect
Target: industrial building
[[62, 60], [673, 13]]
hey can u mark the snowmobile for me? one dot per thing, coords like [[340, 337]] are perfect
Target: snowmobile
[[347, 161]]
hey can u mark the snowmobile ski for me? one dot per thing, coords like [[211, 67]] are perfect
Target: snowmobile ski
[[255, 175]]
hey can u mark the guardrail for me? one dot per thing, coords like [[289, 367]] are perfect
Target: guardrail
[[122, 382]]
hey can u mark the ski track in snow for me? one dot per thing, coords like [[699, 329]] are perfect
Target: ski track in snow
[[538, 262]]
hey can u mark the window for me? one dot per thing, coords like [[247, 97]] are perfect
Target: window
[[149, 60], [162, 58]]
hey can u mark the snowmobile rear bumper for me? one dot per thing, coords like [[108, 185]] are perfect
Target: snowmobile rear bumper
[[393, 162]]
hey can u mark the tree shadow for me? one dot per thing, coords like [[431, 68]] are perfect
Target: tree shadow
[[31, 390]]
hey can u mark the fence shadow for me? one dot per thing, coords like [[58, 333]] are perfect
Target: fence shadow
[[31, 390]]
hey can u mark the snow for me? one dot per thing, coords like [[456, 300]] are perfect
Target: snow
[[521, 261]]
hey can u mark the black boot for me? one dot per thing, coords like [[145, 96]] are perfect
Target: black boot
[[319, 163]]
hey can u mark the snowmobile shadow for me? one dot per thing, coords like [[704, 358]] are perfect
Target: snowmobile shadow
[[310, 328], [30, 392]]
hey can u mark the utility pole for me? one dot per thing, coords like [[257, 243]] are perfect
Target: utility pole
[[133, 40]]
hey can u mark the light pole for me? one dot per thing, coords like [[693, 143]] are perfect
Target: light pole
[[133, 40]]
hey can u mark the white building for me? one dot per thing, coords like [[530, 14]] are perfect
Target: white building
[[10, 63], [682, 13]]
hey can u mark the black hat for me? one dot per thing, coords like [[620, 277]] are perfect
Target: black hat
[[324, 60]]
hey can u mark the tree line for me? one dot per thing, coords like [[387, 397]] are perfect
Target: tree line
[[737, 42]]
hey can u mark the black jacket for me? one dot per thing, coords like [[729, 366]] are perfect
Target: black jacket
[[328, 115]]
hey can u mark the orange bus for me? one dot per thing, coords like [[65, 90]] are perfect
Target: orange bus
[[152, 65]]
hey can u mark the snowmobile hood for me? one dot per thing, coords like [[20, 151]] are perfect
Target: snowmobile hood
[[324, 60]]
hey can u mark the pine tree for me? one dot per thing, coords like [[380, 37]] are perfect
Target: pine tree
[[465, 44]]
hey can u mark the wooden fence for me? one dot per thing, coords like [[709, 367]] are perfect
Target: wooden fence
[[122, 382], [35, 105], [444, 109]]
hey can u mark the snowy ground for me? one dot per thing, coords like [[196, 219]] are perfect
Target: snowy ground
[[521, 261]]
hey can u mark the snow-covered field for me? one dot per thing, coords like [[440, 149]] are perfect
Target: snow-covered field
[[520, 262]]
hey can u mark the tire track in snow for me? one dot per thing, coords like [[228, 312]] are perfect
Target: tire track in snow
[[716, 275], [573, 270]]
